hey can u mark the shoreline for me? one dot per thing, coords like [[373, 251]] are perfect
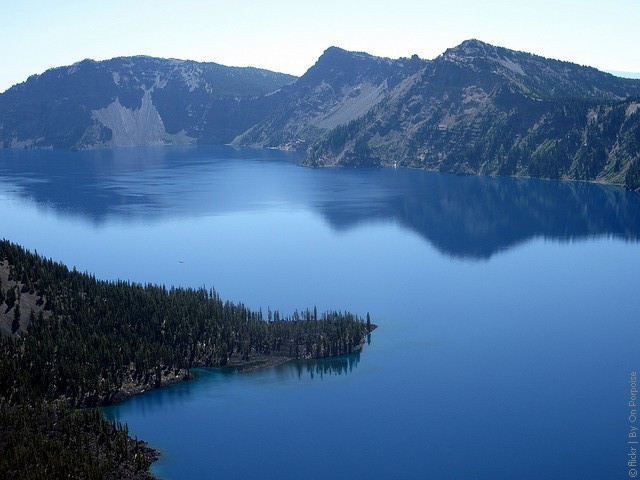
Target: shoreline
[[596, 181], [235, 364], [58, 380], [257, 362]]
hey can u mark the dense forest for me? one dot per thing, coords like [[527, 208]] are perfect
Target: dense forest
[[76, 341]]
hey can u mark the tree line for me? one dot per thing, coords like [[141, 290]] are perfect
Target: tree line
[[92, 339]]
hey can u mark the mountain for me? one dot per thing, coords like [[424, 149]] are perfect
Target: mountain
[[341, 87], [132, 101], [475, 109], [481, 109]]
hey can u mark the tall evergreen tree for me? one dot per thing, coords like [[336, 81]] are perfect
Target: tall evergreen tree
[[10, 297], [15, 325]]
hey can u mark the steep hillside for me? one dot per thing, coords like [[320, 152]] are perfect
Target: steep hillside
[[480, 109], [135, 101], [341, 87]]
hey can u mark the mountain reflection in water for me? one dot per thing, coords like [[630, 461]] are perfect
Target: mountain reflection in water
[[464, 217]]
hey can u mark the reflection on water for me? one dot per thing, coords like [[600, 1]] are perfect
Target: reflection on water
[[476, 217], [329, 366], [218, 382], [130, 184], [465, 217]]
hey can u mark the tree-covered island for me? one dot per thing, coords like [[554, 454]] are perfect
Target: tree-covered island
[[68, 340]]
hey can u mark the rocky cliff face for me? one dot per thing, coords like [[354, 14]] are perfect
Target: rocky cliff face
[[135, 101]]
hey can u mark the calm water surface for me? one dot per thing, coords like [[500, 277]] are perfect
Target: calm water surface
[[508, 309]]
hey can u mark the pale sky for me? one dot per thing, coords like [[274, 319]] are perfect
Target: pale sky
[[289, 35]]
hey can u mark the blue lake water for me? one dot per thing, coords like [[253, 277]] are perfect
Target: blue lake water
[[507, 309]]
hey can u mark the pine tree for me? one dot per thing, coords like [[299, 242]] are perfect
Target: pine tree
[[15, 325], [10, 297]]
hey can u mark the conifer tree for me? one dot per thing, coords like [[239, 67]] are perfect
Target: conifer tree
[[10, 297], [15, 325]]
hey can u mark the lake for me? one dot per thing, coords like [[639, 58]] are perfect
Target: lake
[[507, 308]]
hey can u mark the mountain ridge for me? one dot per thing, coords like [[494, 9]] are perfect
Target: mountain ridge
[[475, 109], [193, 100], [340, 87], [499, 113]]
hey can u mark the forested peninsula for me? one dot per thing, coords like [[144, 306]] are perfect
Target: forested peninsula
[[68, 340]]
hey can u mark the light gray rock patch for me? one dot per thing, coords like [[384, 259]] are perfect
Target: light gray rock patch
[[357, 101], [136, 127]]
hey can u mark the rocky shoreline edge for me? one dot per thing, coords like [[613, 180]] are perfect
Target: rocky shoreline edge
[[168, 378]]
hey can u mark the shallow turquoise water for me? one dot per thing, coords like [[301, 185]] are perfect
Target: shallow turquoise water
[[508, 309]]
